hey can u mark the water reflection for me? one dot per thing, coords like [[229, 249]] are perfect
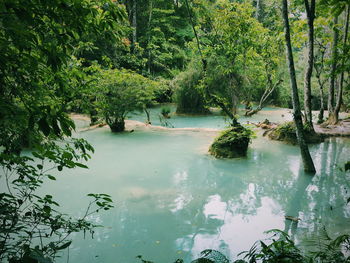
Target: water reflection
[[173, 201]]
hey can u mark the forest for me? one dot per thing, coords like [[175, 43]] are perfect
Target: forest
[[174, 131]]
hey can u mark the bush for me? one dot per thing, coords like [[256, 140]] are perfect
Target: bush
[[121, 92], [286, 132], [165, 111], [231, 143], [188, 95]]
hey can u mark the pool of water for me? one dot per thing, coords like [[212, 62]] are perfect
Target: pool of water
[[173, 200], [214, 120]]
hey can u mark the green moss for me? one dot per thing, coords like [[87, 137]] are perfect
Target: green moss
[[286, 132], [231, 143]]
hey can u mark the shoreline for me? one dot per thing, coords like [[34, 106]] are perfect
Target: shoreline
[[340, 130]]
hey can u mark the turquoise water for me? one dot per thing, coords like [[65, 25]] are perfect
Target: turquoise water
[[214, 120], [173, 200]]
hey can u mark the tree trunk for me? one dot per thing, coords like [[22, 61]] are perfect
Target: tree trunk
[[134, 22], [149, 35], [340, 90], [321, 113], [258, 10], [319, 68], [148, 116], [117, 126], [204, 62], [268, 91], [310, 11], [305, 154], [331, 117]]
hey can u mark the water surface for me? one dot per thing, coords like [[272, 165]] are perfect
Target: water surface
[[173, 200]]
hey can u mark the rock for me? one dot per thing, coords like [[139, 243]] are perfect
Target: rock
[[286, 132], [231, 143]]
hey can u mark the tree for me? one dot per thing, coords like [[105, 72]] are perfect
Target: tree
[[241, 55], [37, 41], [305, 154], [338, 60], [334, 58], [310, 12], [121, 92], [344, 58]]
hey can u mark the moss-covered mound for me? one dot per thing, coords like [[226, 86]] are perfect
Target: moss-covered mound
[[231, 143], [286, 132]]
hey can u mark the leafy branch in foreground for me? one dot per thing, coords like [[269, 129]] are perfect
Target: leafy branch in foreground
[[32, 229]]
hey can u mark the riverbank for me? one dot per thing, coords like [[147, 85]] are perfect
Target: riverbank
[[341, 129]]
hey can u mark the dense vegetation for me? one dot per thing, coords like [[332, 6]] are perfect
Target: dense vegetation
[[108, 58]]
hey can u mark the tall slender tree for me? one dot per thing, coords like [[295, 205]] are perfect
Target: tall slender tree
[[304, 149], [333, 75], [310, 12], [341, 83]]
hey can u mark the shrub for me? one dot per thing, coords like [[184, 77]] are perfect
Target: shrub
[[165, 111], [188, 94], [286, 132]]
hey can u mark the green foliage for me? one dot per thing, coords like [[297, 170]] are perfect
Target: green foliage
[[33, 229], [286, 132], [231, 143], [37, 41], [189, 94], [162, 31], [121, 92], [211, 255], [165, 111], [281, 249], [347, 166], [241, 56], [322, 248]]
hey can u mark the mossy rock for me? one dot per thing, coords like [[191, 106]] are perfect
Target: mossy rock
[[286, 132], [231, 143]]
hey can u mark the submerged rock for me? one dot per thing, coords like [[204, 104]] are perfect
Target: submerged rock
[[286, 132], [231, 143]]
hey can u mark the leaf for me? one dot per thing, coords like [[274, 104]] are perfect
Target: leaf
[[51, 177], [65, 245], [47, 209], [81, 165]]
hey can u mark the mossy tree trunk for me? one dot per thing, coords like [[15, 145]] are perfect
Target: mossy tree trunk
[[333, 118], [304, 149], [310, 11], [134, 22], [116, 124], [319, 68], [341, 84], [93, 116]]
